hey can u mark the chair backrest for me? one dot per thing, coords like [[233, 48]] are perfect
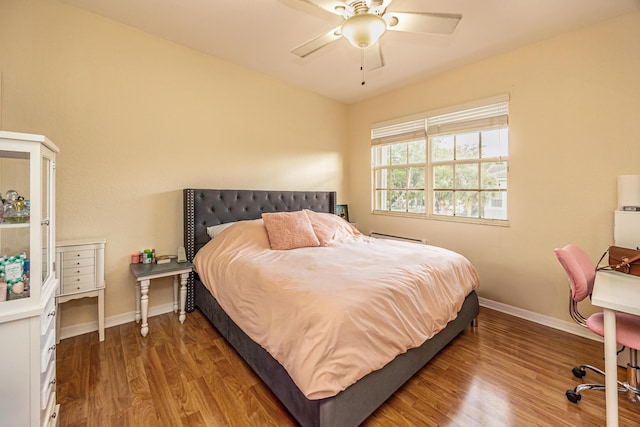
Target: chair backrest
[[580, 270]]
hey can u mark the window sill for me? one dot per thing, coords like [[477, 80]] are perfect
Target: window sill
[[459, 219]]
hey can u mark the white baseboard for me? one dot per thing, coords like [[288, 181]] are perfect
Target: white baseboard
[[84, 328], [552, 322], [570, 327]]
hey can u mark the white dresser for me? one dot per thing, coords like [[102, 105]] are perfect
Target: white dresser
[[28, 366], [27, 282], [80, 270]]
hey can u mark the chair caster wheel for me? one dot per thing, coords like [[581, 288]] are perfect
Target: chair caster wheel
[[573, 396], [578, 372]]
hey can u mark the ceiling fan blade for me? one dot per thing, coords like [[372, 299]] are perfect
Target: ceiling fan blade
[[315, 44], [336, 7], [373, 58], [379, 6], [436, 23]]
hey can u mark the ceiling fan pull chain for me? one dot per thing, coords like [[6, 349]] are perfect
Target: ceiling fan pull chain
[[362, 64]]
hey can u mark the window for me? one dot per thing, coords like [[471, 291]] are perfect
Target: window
[[450, 164], [399, 158]]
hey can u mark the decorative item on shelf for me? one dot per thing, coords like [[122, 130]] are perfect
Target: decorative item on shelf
[[26, 273], [146, 256], [182, 255], [343, 211], [12, 272], [15, 208]]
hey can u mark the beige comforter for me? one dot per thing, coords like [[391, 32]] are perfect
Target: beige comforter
[[331, 315]]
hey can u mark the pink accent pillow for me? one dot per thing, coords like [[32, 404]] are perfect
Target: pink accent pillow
[[289, 230], [329, 227]]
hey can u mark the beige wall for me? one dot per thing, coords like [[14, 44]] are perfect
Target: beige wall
[[574, 127], [138, 119]]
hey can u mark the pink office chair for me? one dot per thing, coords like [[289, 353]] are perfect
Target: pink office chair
[[582, 274]]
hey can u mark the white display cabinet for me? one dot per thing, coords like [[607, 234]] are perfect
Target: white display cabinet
[[27, 281]]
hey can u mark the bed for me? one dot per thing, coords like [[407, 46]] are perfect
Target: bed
[[204, 208]]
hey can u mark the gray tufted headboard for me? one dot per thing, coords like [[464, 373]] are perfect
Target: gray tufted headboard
[[204, 208]]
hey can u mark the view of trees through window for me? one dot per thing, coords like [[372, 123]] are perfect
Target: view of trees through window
[[401, 176], [470, 174], [467, 173]]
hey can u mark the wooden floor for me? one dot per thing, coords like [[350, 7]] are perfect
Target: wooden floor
[[505, 372]]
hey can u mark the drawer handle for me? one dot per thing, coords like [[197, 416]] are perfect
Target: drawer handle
[[52, 313], [78, 271], [52, 348], [54, 415], [53, 381], [77, 255], [77, 280], [77, 263]]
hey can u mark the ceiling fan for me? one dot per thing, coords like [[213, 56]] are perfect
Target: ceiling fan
[[365, 21]]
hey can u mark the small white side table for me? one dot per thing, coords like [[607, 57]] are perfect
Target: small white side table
[[144, 273], [80, 269]]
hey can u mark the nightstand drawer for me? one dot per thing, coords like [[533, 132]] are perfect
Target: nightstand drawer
[[69, 274], [72, 255], [78, 262]]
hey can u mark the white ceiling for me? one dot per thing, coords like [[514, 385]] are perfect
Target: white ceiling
[[259, 34]]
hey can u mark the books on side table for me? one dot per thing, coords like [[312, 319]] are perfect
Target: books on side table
[[165, 259]]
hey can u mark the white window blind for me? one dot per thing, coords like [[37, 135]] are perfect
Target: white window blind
[[484, 117], [398, 132]]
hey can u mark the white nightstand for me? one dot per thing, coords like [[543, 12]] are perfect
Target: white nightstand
[[80, 269]]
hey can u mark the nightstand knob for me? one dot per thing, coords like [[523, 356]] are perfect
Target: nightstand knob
[[53, 347]]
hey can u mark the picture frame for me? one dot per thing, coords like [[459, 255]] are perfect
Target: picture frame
[[343, 211]]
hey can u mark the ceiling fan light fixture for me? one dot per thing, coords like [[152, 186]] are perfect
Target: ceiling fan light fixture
[[364, 30]]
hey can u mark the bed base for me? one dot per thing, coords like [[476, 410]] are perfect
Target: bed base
[[351, 406], [203, 208]]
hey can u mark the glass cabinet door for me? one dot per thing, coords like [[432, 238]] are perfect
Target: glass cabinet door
[[27, 230], [44, 222], [15, 231]]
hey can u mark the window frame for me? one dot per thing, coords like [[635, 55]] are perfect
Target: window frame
[[407, 166], [453, 121]]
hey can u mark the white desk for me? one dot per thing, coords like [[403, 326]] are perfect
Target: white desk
[[614, 291]]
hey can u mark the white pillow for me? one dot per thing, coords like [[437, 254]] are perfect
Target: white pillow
[[214, 230]]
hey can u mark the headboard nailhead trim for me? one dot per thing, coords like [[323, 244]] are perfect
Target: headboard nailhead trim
[[204, 208]]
